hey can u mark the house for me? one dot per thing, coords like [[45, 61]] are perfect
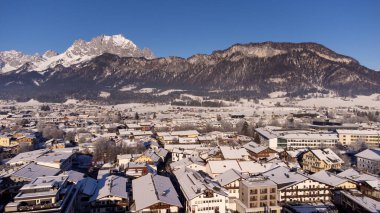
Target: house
[[57, 158], [153, 157], [369, 161], [258, 194], [111, 195], [230, 180], [7, 140], [135, 169], [259, 152], [321, 159], [233, 153], [201, 193], [194, 163], [123, 160], [45, 194], [154, 193]]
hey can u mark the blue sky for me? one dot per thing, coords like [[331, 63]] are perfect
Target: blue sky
[[183, 28]]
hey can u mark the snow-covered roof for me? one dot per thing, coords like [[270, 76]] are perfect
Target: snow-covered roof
[[111, 186], [327, 155], [370, 154], [33, 170], [229, 176], [328, 178], [283, 176], [152, 189], [233, 153]]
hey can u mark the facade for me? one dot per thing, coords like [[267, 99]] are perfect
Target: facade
[[297, 187], [369, 161], [321, 159], [370, 137], [307, 140], [257, 195]]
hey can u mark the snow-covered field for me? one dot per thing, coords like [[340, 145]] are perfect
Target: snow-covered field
[[245, 106]]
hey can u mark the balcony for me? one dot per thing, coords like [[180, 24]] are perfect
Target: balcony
[[39, 207]]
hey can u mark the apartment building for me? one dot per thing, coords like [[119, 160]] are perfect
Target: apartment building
[[258, 194], [297, 187], [370, 137]]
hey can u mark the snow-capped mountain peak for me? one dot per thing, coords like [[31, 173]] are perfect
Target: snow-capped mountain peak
[[78, 52]]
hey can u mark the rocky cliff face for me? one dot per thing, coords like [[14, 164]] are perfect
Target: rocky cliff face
[[79, 52], [249, 70]]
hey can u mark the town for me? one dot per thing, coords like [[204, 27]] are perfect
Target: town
[[85, 157]]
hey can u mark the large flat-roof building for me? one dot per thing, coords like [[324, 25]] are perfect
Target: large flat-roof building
[[370, 137]]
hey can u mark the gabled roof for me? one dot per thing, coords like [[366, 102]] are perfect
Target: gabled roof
[[370, 154], [233, 153], [111, 186], [221, 166], [152, 189], [32, 170], [283, 177], [354, 175], [327, 155], [230, 176], [254, 147], [328, 178], [194, 183]]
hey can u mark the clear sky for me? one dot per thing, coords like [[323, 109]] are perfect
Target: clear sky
[[183, 28]]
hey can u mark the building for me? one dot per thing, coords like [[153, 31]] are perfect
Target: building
[[111, 195], [6, 140], [370, 137], [32, 171], [201, 193], [45, 194], [321, 159], [154, 193], [259, 152], [233, 153], [369, 161], [307, 140], [332, 180], [296, 187], [326, 207], [57, 158], [258, 194], [230, 180], [355, 202]]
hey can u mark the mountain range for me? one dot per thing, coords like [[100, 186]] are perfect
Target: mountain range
[[113, 68]]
